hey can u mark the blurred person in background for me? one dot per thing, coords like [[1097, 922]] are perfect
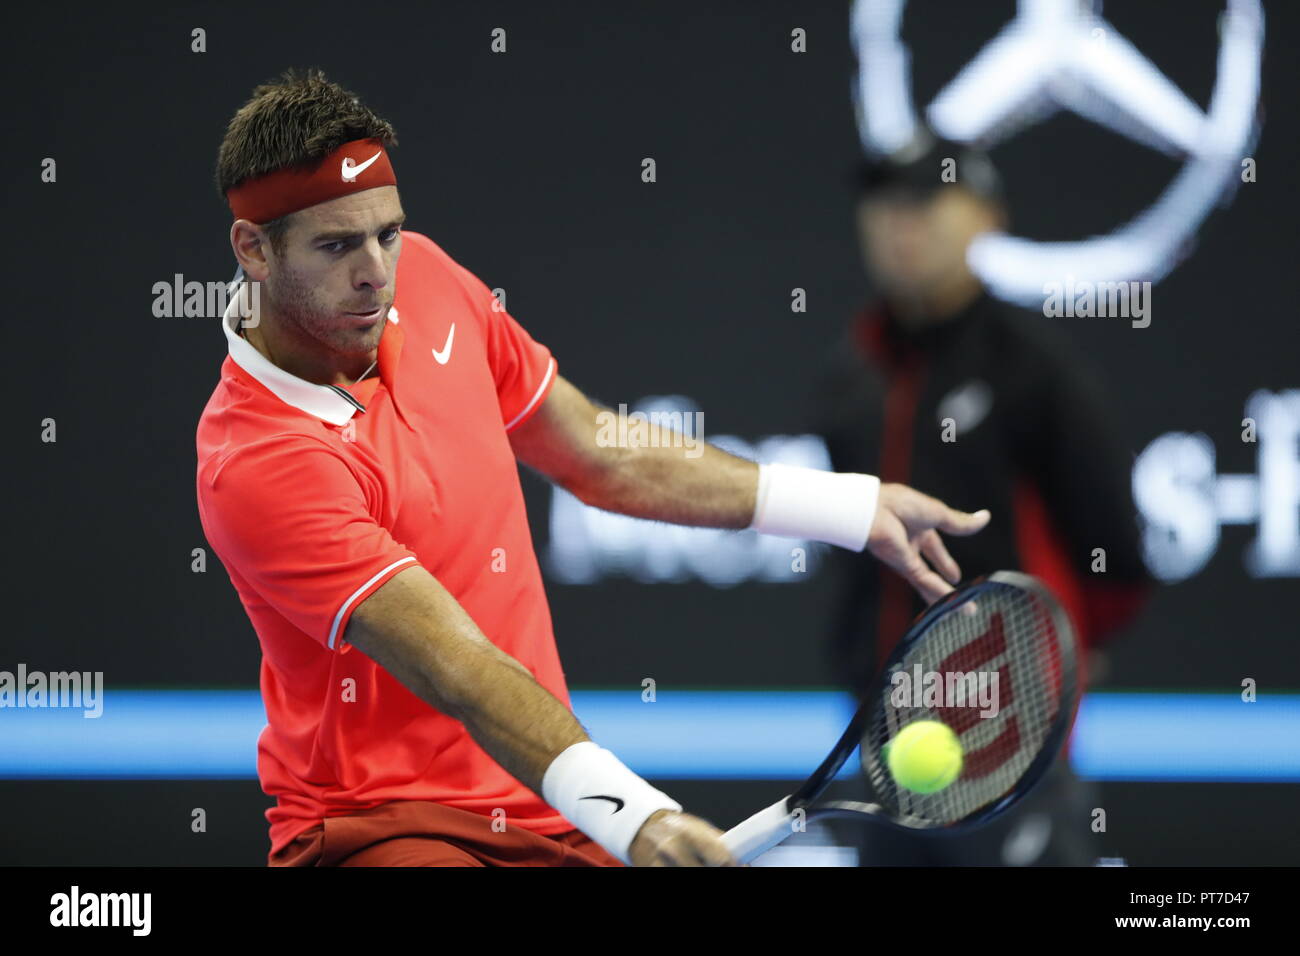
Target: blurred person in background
[[938, 385]]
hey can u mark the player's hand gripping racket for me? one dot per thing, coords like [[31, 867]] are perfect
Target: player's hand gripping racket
[[1005, 624]]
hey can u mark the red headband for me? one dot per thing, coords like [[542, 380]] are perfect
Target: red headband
[[353, 167]]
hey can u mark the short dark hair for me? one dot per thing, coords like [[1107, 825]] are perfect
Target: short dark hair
[[293, 121]]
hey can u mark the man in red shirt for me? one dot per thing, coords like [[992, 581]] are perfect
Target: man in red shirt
[[357, 476]]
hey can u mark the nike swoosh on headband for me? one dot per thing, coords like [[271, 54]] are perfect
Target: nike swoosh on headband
[[350, 173]]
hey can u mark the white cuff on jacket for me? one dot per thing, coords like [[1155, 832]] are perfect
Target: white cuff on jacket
[[835, 507]]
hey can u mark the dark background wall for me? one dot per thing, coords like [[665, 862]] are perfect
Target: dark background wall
[[526, 168]]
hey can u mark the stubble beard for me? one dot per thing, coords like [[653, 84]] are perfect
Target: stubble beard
[[292, 302]]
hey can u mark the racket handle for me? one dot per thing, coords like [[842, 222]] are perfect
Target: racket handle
[[764, 830]]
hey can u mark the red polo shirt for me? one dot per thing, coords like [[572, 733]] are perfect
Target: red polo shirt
[[313, 496]]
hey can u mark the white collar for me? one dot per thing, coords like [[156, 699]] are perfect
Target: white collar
[[327, 402]]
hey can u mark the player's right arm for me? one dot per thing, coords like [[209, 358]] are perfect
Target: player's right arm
[[417, 631], [294, 518]]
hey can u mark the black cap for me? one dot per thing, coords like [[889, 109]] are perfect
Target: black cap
[[927, 164]]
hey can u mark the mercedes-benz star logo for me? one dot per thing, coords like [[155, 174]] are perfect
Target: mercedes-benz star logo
[[1061, 54]]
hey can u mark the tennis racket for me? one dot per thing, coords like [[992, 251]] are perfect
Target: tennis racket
[[1005, 624]]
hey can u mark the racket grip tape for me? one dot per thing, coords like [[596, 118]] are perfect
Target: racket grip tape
[[764, 830]]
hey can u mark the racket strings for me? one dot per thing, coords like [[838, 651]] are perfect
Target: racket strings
[[999, 677]]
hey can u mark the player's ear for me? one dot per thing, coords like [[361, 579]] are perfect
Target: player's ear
[[250, 245]]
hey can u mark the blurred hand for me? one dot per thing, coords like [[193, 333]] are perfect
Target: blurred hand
[[905, 532], [669, 838]]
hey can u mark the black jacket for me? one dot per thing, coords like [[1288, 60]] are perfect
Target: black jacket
[[1028, 437]]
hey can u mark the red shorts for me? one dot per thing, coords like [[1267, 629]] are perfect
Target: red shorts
[[418, 833]]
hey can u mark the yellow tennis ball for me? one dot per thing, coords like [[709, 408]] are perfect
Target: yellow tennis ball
[[924, 757]]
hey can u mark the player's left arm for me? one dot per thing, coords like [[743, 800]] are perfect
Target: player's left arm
[[676, 478], [684, 480]]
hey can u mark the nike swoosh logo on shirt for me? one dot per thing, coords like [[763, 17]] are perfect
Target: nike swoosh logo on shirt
[[351, 172], [618, 804], [445, 354]]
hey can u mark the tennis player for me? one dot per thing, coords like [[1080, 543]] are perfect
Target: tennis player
[[357, 476]]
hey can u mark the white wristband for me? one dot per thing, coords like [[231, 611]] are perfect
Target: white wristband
[[835, 507], [598, 794]]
